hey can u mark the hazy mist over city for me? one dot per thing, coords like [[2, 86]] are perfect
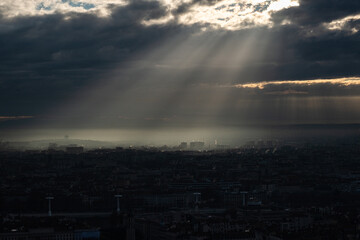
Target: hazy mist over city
[[234, 137]]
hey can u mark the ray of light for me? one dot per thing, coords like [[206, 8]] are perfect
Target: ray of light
[[175, 83]]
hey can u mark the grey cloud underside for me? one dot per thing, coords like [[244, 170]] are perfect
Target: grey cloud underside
[[46, 55], [46, 60]]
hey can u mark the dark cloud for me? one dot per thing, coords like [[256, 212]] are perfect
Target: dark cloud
[[48, 57], [46, 60]]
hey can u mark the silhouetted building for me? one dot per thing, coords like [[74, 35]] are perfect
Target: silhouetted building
[[260, 144], [197, 145], [74, 150], [250, 144], [222, 146], [183, 145], [52, 146]]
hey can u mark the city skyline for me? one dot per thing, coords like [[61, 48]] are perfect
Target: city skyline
[[179, 119]]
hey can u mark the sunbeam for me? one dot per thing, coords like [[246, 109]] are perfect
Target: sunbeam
[[196, 64]]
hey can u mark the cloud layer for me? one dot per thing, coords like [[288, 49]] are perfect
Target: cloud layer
[[166, 58], [16, 8]]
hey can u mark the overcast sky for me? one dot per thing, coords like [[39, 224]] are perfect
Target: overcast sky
[[137, 63]]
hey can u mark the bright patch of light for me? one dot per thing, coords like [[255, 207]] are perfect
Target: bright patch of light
[[158, 21], [14, 8], [282, 4], [339, 24], [350, 81], [232, 14], [227, 14]]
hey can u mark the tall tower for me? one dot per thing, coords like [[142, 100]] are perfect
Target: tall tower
[[244, 198], [118, 196], [197, 200], [49, 200]]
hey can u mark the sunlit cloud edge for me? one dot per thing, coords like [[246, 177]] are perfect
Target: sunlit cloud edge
[[348, 81], [339, 24]]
